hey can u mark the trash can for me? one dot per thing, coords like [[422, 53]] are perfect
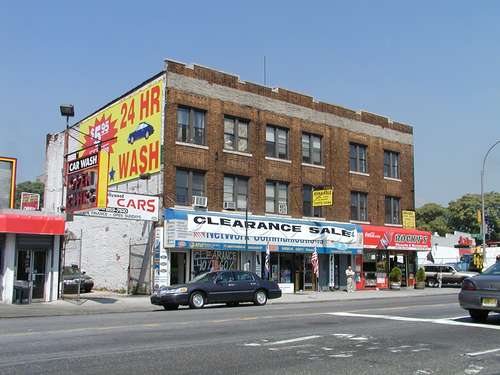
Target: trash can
[[22, 292]]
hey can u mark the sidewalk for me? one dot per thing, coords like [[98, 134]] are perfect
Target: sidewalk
[[108, 303]]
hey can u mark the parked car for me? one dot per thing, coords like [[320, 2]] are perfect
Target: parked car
[[481, 294], [230, 287], [449, 275], [143, 130], [71, 276]]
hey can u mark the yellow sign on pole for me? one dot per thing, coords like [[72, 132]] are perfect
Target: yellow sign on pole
[[479, 216], [409, 219], [322, 198]]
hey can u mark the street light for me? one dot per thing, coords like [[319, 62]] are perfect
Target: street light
[[483, 232], [67, 110]]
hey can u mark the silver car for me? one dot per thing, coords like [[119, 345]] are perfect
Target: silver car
[[481, 294]]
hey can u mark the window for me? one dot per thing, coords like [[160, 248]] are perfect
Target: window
[[307, 207], [190, 125], [392, 210], [357, 158], [187, 185], [276, 142], [243, 276], [311, 149], [359, 206], [236, 191], [277, 197], [391, 164], [235, 134]]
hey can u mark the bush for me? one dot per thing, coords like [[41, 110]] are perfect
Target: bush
[[420, 276], [395, 275]]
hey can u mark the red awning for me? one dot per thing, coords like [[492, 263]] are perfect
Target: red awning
[[391, 238], [25, 222]]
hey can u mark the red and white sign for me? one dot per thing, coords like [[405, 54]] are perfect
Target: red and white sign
[[129, 206], [375, 237], [30, 201]]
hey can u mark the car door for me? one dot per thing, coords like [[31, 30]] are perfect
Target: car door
[[222, 288], [447, 275], [245, 288]]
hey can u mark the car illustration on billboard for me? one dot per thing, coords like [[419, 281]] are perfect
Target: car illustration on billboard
[[143, 130]]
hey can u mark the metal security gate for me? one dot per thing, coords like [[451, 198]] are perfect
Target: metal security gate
[[139, 269]]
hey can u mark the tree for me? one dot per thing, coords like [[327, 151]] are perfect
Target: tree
[[433, 218], [29, 187]]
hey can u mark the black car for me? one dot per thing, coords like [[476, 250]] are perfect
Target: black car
[[230, 287], [71, 277]]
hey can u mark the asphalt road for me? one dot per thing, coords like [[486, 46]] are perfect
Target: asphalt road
[[424, 335]]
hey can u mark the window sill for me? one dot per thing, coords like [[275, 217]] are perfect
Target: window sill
[[236, 212], [313, 218], [237, 153], [394, 225], [181, 207], [392, 179], [194, 145], [359, 222], [278, 159], [360, 173], [313, 165], [277, 215]]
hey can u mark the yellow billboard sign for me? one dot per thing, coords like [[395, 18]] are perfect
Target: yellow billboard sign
[[130, 130], [8, 167], [408, 219], [322, 197]]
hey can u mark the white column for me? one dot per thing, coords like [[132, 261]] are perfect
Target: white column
[[53, 284], [9, 262]]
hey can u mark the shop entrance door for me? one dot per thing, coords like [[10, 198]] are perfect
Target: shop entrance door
[[178, 268], [399, 260], [31, 269]]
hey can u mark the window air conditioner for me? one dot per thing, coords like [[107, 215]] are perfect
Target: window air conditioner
[[229, 206], [282, 208], [199, 201]]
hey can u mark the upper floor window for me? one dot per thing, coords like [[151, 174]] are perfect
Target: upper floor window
[[307, 206], [391, 164], [311, 149], [359, 206], [191, 125], [276, 142], [392, 210], [357, 158], [187, 185], [236, 191], [235, 134], [277, 197]]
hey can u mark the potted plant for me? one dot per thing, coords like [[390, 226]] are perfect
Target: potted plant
[[420, 279], [395, 278]]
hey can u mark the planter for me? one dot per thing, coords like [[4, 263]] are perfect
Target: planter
[[420, 285], [395, 285]]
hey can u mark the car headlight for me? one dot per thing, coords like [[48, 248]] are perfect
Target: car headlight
[[173, 291]]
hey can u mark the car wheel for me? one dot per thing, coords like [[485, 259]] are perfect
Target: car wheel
[[87, 290], [260, 298], [171, 307], [232, 304], [197, 300], [432, 283], [146, 135], [479, 315]]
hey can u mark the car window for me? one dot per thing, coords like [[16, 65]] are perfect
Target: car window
[[204, 278], [225, 276], [493, 270], [244, 276]]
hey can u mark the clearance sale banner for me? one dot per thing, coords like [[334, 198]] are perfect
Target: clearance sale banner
[[130, 131]]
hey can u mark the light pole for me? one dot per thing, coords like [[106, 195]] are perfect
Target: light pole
[[483, 232]]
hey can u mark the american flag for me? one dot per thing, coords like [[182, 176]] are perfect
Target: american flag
[[267, 263], [315, 262]]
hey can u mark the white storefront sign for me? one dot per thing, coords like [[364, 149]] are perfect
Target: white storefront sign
[[129, 206], [286, 288], [161, 262]]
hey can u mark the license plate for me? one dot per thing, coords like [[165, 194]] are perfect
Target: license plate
[[490, 302]]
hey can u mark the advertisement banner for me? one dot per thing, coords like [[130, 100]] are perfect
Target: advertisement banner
[[86, 188], [130, 131], [8, 168], [322, 198], [30, 201], [375, 237], [408, 219], [129, 207], [161, 271]]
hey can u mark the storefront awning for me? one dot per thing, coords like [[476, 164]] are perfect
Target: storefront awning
[[390, 238], [28, 222]]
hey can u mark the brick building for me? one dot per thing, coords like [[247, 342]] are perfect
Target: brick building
[[229, 142]]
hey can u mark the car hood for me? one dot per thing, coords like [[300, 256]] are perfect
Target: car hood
[[75, 277], [487, 281], [175, 286]]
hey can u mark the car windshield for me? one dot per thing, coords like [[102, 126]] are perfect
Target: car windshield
[[204, 278], [493, 270]]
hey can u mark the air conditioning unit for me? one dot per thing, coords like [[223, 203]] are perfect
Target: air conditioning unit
[[282, 208], [229, 206], [199, 201]]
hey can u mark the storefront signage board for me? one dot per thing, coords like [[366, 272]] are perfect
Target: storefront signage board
[[408, 219], [286, 288], [8, 168], [376, 237], [30, 201], [161, 274], [322, 198]]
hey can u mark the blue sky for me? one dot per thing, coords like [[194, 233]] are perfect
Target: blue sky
[[434, 65]]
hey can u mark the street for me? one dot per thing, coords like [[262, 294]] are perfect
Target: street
[[419, 335]]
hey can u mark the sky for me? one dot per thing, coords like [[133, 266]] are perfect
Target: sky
[[433, 65]]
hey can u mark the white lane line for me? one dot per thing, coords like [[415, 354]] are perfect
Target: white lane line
[[421, 320], [481, 353], [293, 340], [291, 347]]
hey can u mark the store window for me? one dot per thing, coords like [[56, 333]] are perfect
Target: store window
[[213, 260], [357, 158], [235, 192], [311, 149], [359, 206], [277, 197], [276, 142], [191, 125], [392, 210], [235, 134], [391, 164], [187, 185], [286, 265], [308, 209]]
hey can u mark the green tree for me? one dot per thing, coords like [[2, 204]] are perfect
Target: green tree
[[29, 187], [433, 218]]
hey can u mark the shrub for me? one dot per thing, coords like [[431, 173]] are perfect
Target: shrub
[[420, 276], [395, 275]]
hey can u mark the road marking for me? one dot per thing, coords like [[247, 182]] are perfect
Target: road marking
[[291, 347], [293, 340], [421, 320], [481, 353]]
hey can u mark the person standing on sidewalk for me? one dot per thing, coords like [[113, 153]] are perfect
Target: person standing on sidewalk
[[350, 279]]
